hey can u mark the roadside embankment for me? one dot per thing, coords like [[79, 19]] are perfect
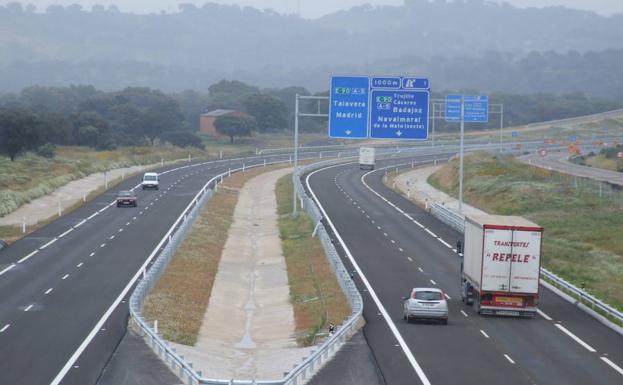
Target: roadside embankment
[[581, 242]]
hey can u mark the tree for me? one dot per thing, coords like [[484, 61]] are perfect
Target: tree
[[182, 139], [271, 113], [235, 126], [230, 94], [19, 132]]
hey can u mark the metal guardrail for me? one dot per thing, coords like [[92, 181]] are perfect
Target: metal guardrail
[[455, 220], [183, 369]]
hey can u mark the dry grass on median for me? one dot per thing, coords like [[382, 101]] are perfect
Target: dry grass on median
[[180, 298], [314, 291]]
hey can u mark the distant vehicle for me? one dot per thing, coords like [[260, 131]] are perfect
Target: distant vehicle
[[126, 198], [501, 265], [366, 158], [150, 180], [426, 303]]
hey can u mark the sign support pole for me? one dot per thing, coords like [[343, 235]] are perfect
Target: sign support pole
[[501, 124], [433, 125], [461, 157], [296, 151]]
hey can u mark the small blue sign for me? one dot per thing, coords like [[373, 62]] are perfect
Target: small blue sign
[[399, 114], [349, 108], [453, 108], [476, 109], [409, 83], [573, 139], [389, 82], [514, 134]]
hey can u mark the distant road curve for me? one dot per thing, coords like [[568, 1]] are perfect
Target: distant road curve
[[558, 161]]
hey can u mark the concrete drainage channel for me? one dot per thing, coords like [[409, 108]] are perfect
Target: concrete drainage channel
[[183, 369]]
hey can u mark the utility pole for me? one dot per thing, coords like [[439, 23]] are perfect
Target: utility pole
[[461, 156]]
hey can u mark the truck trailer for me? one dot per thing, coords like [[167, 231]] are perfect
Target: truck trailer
[[367, 158], [501, 264]]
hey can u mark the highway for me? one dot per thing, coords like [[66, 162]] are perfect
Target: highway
[[64, 288], [558, 161], [393, 245]]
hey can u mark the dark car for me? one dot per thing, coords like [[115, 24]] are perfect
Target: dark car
[[126, 198]]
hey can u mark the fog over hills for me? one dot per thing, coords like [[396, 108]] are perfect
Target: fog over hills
[[473, 44]]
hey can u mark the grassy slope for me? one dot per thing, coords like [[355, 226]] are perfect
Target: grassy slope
[[31, 176], [582, 239], [314, 291]]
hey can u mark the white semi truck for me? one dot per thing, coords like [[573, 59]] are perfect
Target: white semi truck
[[501, 265], [366, 158]]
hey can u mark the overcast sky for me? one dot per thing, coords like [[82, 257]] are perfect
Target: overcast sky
[[309, 8]]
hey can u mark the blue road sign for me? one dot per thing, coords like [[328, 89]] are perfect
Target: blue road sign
[[572, 138], [453, 108], [514, 134], [389, 82], [399, 114], [476, 109], [349, 107]]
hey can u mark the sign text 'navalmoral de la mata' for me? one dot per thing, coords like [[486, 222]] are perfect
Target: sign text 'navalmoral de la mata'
[[379, 107]]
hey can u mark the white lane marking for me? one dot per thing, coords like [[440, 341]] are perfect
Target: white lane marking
[[7, 269], [82, 222], [405, 348], [410, 259], [102, 245], [92, 215], [465, 314], [127, 223], [65, 276], [607, 361], [393, 241], [120, 230], [509, 359], [445, 243], [102, 210], [134, 218], [29, 307], [147, 208], [385, 234], [48, 244], [484, 334], [575, 338], [28, 256], [5, 328], [433, 282], [420, 269], [431, 233], [447, 296], [66, 232], [80, 264], [454, 250], [48, 291], [92, 254], [400, 249], [140, 213], [542, 314], [112, 237]]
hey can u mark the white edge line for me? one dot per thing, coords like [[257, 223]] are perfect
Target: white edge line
[[575, 338], [5, 328], [388, 320], [82, 222], [445, 243], [509, 359], [542, 314], [431, 233], [66, 232], [612, 365], [7, 269], [28, 256], [92, 215], [48, 244], [465, 314]]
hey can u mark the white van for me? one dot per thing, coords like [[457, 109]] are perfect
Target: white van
[[150, 180], [366, 158]]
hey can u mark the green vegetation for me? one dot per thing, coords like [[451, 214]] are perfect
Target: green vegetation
[[32, 176], [607, 159], [582, 241], [314, 291], [233, 126]]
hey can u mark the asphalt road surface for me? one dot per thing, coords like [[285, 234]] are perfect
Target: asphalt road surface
[[64, 288], [558, 161], [397, 246]]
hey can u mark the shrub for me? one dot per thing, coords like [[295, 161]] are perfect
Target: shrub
[[48, 150]]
